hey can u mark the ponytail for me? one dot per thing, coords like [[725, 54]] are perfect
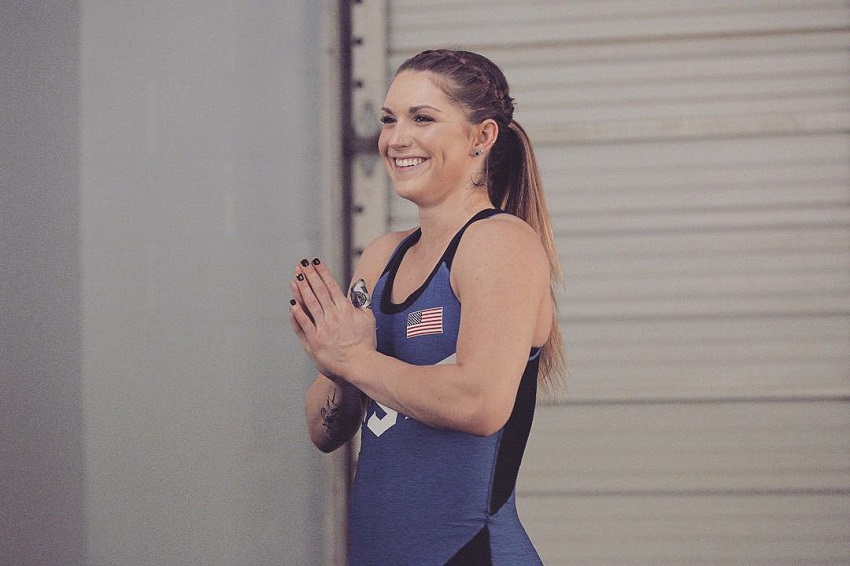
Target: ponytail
[[514, 185]]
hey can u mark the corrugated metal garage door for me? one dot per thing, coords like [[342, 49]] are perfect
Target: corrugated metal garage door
[[697, 162]]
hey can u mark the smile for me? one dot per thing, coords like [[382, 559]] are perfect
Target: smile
[[408, 161]]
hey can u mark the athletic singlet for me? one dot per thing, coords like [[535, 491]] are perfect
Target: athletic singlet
[[424, 496]]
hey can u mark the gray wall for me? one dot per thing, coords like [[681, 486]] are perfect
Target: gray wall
[[162, 165], [42, 501]]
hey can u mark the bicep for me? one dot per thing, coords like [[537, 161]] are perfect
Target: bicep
[[502, 283]]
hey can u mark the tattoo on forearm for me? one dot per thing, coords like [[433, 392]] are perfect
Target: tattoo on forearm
[[331, 418]]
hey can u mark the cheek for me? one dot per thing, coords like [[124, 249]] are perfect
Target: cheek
[[383, 142]]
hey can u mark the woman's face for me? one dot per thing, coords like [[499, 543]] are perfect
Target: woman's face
[[426, 140]]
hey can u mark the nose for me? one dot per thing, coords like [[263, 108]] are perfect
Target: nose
[[398, 135]]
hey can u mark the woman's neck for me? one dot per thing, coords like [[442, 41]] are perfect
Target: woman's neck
[[441, 222]]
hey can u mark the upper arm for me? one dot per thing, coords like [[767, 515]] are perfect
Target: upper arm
[[501, 276]]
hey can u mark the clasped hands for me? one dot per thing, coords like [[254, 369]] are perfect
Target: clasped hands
[[333, 332]]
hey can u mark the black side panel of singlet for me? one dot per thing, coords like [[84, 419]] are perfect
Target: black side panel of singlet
[[474, 553], [514, 438]]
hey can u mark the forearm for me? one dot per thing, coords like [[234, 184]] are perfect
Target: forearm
[[334, 412], [444, 396]]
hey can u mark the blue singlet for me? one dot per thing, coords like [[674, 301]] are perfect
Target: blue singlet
[[423, 496]]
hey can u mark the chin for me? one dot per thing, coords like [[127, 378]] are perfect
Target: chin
[[408, 194]]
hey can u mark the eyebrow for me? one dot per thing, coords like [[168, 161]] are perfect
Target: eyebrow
[[412, 109]]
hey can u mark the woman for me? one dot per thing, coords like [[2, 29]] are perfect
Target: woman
[[441, 371]]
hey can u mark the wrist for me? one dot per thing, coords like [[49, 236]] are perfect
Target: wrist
[[361, 368]]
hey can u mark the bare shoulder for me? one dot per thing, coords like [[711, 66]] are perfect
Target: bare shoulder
[[503, 239], [376, 255], [499, 252]]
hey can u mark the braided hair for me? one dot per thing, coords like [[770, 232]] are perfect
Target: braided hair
[[510, 172]]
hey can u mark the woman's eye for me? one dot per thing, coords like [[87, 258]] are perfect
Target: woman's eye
[[387, 119], [422, 118]]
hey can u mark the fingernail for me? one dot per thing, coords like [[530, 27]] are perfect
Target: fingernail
[[304, 263], [316, 261], [300, 277], [292, 302]]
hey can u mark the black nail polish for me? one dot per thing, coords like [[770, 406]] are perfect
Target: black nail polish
[[304, 263], [316, 261], [292, 302], [300, 277]]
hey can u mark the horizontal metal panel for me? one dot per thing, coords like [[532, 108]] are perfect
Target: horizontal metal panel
[[707, 378], [518, 56], [702, 77], [746, 332], [832, 281], [655, 264], [417, 25], [798, 189], [731, 304], [663, 221], [704, 94], [688, 447], [689, 483], [764, 244], [671, 530], [732, 357], [688, 88], [682, 162], [707, 351], [688, 128]]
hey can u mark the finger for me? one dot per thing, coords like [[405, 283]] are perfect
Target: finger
[[301, 323], [309, 299], [296, 294], [334, 290], [317, 284], [299, 332]]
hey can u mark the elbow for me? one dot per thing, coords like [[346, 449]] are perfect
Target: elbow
[[327, 448], [487, 419], [488, 428], [483, 430], [327, 439], [323, 443]]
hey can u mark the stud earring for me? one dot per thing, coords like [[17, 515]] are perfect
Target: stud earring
[[476, 153]]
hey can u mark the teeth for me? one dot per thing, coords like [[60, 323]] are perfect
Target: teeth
[[408, 162]]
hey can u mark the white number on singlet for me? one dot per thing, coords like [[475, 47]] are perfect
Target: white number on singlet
[[380, 425]]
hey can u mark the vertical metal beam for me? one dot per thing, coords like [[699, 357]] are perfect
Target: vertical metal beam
[[339, 479], [362, 78], [369, 186], [346, 128]]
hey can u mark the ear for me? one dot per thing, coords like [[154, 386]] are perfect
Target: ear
[[485, 135]]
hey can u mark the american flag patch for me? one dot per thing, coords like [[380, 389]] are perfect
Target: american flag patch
[[424, 322]]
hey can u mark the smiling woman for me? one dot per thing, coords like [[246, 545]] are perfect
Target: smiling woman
[[442, 371]]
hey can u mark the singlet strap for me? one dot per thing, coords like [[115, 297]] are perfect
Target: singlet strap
[[400, 250], [391, 269], [449, 254]]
